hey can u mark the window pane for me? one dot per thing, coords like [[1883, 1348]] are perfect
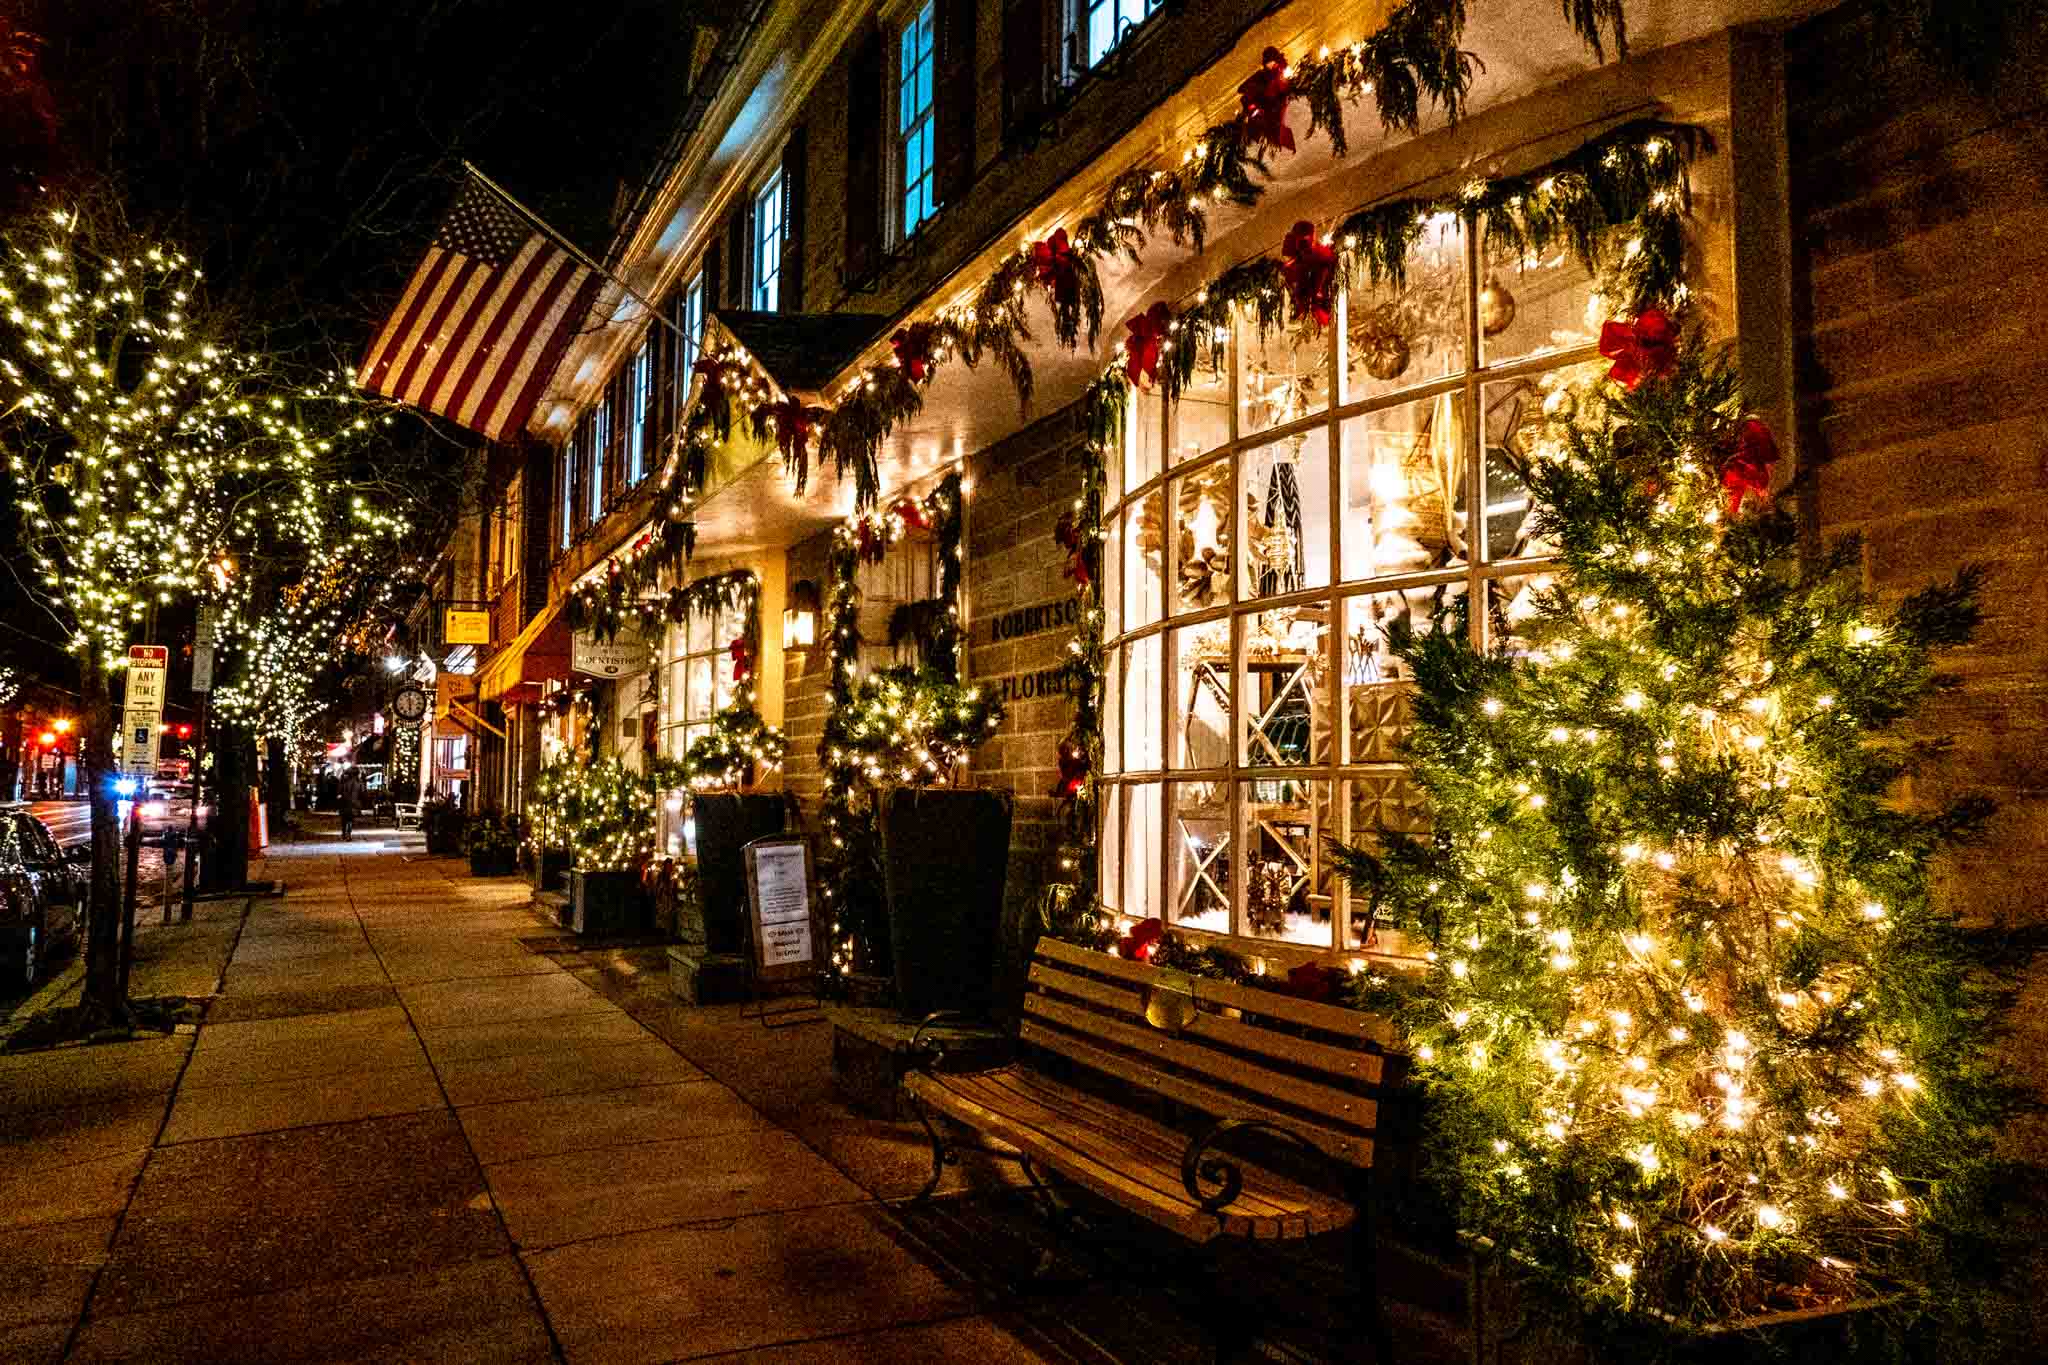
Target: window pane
[[1112, 711], [1525, 421], [1404, 488], [1284, 690], [722, 671], [1144, 829], [1376, 682], [698, 703], [1145, 435], [1287, 890], [1287, 516], [1202, 856], [1510, 603], [1285, 375], [1101, 31], [1144, 545], [1535, 305], [1202, 536], [1395, 338], [1379, 802], [1202, 662], [1201, 420], [1142, 691]]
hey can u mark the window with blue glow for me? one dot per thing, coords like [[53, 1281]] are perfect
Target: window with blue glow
[[1105, 23], [639, 379], [914, 119], [600, 437], [768, 245]]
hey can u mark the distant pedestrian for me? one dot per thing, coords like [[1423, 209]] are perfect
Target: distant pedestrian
[[348, 799]]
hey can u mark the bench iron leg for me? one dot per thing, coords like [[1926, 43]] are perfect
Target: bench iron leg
[[1372, 1319], [943, 1154]]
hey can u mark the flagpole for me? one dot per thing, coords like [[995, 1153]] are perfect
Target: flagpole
[[574, 250]]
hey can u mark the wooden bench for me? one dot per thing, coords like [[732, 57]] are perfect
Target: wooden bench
[[1103, 1041]]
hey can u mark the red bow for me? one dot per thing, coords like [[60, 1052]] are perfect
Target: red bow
[[1644, 349], [913, 347], [871, 544], [1142, 943], [793, 426], [1310, 269], [1314, 981], [1073, 761], [911, 513], [1141, 348], [742, 659], [1264, 96], [1747, 471], [1053, 266], [1080, 554]]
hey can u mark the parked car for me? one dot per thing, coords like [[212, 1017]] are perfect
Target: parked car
[[42, 890]]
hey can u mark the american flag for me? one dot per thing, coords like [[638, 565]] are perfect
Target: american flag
[[484, 318]]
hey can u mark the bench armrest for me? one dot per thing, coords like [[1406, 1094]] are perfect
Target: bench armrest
[[1200, 1165], [926, 1053]]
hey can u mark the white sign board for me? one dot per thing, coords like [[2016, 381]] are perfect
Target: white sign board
[[142, 713], [202, 668], [779, 892], [621, 656]]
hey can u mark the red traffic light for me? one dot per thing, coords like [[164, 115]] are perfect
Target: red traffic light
[[48, 738], [184, 732]]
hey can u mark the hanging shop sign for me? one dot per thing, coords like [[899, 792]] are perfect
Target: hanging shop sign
[[463, 626], [779, 903], [618, 657]]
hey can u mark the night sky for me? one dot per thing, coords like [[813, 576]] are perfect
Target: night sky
[[304, 150]]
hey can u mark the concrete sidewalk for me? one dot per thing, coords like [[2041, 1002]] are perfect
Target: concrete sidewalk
[[402, 1134]]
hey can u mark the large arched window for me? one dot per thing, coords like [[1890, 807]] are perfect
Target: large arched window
[[1267, 530]]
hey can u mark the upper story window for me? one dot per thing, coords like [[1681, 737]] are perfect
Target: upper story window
[[1099, 25], [914, 122], [1308, 495], [693, 329], [600, 438], [565, 493], [639, 383], [767, 272]]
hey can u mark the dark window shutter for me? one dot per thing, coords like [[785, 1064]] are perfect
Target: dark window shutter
[[793, 259], [1030, 29], [953, 95], [663, 346], [739, 260], [864, 155], [714, 282]]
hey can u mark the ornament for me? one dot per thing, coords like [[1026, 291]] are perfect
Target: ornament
[[1141, 347], [913, 348], [1310, 269], [1747, 469], [1142, 943], [1264, 95], [1203, 572], [1073, 763], [742, 659], [1055, 268], [1267, 895], [1644, 349], [1385, 353], [1496, 308]]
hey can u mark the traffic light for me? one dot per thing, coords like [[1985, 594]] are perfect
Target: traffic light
[[48, 739], [184, 732]]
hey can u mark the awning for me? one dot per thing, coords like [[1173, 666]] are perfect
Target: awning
[[541, 652], [800, 351]]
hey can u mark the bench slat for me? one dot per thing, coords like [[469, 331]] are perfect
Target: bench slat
[[1330, 1018], [1338, 1106], [1353, 1148], [1348, 1065], [1123, 1156]]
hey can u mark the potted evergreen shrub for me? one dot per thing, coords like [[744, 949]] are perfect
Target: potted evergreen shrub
[[493, 845], [609, 821], [443, 820]]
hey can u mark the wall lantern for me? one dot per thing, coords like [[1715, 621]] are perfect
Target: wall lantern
[[800, 619]]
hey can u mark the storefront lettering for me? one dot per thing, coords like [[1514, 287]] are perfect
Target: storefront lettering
[[1014, 625], [1046, 682]]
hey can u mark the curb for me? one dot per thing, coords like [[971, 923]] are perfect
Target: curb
[[55, 989]]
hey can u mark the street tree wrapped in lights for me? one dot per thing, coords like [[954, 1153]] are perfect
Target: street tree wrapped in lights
[[1699, 1043], [147, 450]]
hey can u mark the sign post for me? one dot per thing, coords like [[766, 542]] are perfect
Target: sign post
[[142, 710]]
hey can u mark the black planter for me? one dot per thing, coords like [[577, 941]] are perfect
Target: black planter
[[551, 869], [497, 864], [945, 858], [603, 903], [726, 824]]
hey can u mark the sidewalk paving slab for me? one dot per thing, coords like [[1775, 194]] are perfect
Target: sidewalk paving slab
[[569, 1123], [604, 1191], [956, 1341], [758, 1281], [268, 1106], [504, 997], [502, 1038], [59, 1194], [47, 1269], [235, 1007], [567, 1070]]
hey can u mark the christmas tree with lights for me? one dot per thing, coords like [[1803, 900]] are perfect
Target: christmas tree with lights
[[1697, 1043]]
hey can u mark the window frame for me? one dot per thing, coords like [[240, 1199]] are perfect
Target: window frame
[[901, 228], [764, 282], [1078, 56], [639, 391], [1338, 773], [600, 418], [678, 727]]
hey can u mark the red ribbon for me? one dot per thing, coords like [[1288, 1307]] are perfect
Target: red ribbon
[[1264, 96], [1141, 347], [742, 659], [793, 425], [1053, 266], [911, 513], [1747, 471], [1073, 763], [871, 545], [1310, 269], [1080, 554], [1644, 349], [913, 347], [1142, 943]]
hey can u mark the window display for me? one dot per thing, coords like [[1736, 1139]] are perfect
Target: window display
[[1265, 565]]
